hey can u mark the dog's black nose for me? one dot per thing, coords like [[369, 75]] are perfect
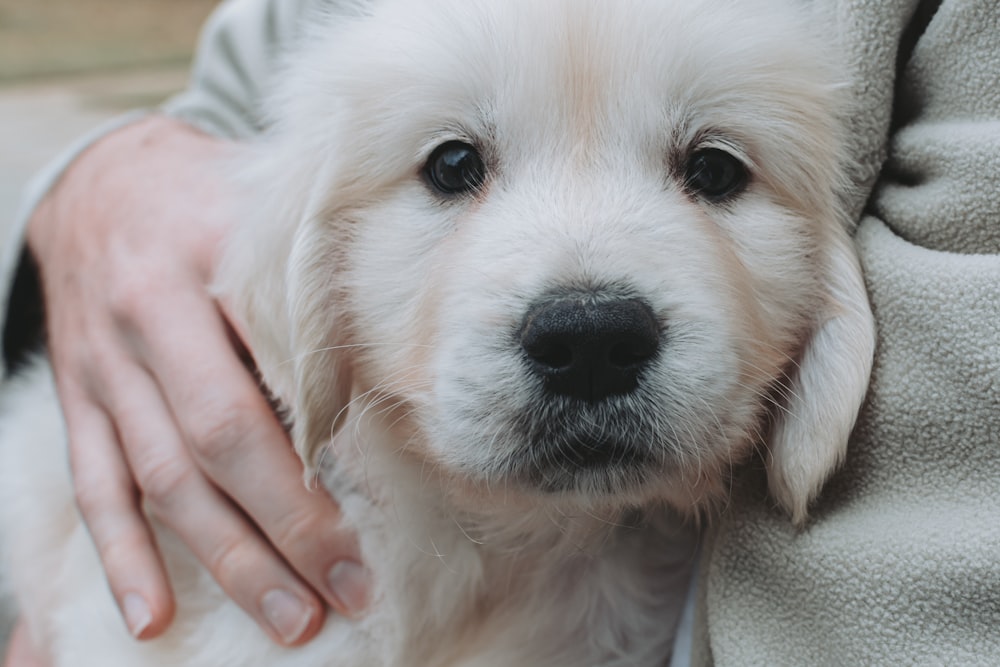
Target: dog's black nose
[[587, 348]]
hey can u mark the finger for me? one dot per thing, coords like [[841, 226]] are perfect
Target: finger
[[238, 441], [107, 500], [219, 535]]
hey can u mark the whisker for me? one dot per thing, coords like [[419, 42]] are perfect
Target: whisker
[[348, 346]]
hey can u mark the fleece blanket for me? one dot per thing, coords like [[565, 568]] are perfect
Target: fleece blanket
[[900, 562]]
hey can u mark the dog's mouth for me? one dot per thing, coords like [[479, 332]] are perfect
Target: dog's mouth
[[584, 453], [586, 449], [603, 467]]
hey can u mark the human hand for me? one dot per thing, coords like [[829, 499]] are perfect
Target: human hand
[[159, 408]]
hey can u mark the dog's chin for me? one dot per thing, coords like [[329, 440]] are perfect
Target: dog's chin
[[597, 458], [571, 447], [581, 466]]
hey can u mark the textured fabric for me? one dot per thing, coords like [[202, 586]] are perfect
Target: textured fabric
[[240, 50], [901, 562]]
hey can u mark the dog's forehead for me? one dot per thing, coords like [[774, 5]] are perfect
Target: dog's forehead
[[639, 84], [582, 64]]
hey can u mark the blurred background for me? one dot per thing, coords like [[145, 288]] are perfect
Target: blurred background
[[68, 65]]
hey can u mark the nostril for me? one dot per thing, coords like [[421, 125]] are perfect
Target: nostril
[[629, 353], [553, 354], [589, 348]]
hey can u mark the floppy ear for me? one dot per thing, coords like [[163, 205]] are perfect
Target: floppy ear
[[809, 438], [277, 281], [282, 301], [321, 374]]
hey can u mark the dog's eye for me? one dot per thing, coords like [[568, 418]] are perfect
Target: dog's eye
[[715, 174], [455, 167]]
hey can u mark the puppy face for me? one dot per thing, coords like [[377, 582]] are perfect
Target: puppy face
[[591, 249]]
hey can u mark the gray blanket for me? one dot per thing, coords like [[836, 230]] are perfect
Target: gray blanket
[[901, 561]]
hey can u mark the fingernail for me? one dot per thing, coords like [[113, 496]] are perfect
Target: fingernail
[[286, 613], [137, 613], [349, 583]]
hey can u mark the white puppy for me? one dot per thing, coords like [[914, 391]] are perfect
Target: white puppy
[[537, 274]]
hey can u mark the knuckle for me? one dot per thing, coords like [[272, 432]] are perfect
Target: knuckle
[[128, 298], [216, 436], [300, 527], [81, 361], [122, 553], [161, 481], [230, 560], [91, 498]]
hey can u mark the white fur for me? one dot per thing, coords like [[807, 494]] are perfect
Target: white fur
[[381, 314]]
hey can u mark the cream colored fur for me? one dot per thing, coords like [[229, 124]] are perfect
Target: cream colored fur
[[382, 315]]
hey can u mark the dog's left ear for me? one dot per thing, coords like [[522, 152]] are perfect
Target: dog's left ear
[[280, 292], [280, 268], [826, 389], [321, 374]]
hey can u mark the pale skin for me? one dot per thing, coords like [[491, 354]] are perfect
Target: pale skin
[[161, 411]]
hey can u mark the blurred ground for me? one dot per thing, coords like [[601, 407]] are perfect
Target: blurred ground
[[68, 65], [59, 37]]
